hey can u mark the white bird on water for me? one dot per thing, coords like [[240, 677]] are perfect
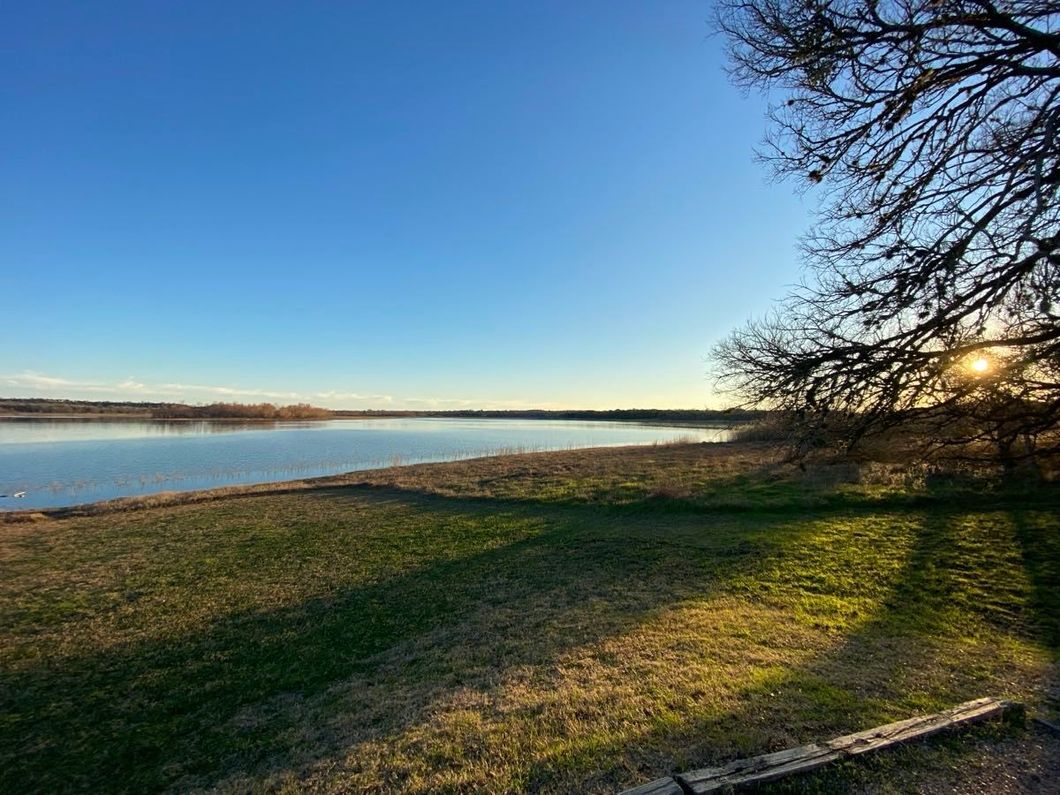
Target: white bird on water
[[16, 494]]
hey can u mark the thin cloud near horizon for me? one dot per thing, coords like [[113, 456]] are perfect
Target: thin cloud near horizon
[[133, 389]]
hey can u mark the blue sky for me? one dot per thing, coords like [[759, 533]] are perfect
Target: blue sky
[[388, 204]]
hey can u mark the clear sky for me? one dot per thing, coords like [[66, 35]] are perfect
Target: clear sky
[[378, 204]]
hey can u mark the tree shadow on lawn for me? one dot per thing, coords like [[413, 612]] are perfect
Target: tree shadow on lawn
[[1041, 559], [967, 586], [157, 714], [932, 644], [150, 714]]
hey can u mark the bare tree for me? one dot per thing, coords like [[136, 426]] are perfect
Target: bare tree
[[933, 289]]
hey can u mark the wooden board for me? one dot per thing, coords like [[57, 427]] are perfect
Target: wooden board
[[769, 767]]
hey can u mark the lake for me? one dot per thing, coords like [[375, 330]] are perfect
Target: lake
[[61, 462]]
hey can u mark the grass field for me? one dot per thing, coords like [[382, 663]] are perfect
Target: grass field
[[560, 622]]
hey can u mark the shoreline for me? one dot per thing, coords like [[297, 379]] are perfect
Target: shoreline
[[355, 477], [53, 492]]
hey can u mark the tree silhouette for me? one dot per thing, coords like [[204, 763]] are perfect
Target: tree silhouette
[[933, 283]]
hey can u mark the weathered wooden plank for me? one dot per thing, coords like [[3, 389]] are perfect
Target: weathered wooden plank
[[769, 767], [661, 786]]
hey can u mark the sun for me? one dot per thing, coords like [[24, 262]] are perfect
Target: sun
[[980, 365]]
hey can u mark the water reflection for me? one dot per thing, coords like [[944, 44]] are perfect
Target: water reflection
[[16, 430]]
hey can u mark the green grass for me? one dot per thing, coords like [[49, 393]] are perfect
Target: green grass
[[561, 622]]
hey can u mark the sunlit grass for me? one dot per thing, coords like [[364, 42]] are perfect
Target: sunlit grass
[[561, 622]]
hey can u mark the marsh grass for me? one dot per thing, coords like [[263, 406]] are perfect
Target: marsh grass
[[573, 621]]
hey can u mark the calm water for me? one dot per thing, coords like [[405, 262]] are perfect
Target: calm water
[[66, 462]]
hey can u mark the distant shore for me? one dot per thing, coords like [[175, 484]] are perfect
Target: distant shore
[[53, 408]]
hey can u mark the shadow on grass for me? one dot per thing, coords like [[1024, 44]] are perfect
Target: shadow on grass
[[924, 650], [1041, 559], [154, 714], [928, 649], [147, 715]]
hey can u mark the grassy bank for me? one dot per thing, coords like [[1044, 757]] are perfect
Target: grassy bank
[[576, 621]]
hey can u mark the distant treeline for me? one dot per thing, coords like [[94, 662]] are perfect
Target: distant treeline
[[669, 415], [303, 411], [58, 406], [241, 411], [163, 411]]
